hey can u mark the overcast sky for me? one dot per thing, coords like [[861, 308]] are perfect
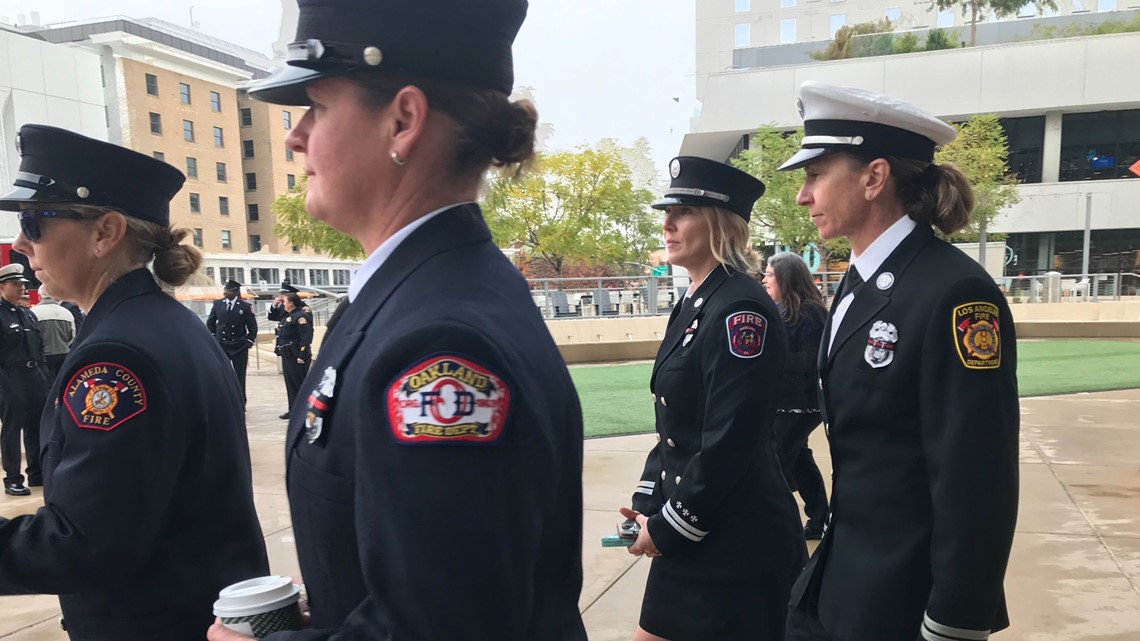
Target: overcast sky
[[600, 68]]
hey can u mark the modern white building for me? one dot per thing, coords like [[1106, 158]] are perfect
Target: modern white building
[[1070, 107]]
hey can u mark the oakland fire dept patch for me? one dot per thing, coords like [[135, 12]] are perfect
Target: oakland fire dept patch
[[448, 399], [746, 332], [977, 335], [103, 396]]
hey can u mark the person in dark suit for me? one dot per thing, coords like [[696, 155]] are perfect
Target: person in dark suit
[[234, 326], [148, 501], [789, 283], [23, 383], [714, 510], [918, 377], [434, 454], [294, 345]]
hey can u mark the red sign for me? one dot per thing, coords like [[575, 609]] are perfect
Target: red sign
[[1135, 168]]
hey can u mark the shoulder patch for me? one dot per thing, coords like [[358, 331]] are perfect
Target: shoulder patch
[[448, 399], [302, 321], [746, 333], [977, 335], [103, 396]]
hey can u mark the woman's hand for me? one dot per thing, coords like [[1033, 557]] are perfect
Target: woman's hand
[[300, 361], [644, 543], [219, 632]]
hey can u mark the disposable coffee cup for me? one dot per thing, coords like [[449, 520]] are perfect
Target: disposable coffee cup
[[260, 606]]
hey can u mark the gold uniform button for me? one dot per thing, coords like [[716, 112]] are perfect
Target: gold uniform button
[[671, 443]]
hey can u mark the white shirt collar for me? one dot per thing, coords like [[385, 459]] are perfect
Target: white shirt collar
[[378, 257], [872, 259]]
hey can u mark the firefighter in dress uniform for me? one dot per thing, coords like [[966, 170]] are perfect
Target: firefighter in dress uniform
[[434, 456], [918, 387], [234, 325], [23, 383], [294, 345], [714, 509], [148, 499]]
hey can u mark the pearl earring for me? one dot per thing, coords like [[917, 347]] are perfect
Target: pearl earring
[[396, 159]]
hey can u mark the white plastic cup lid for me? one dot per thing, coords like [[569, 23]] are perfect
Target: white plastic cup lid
[[256, 596]]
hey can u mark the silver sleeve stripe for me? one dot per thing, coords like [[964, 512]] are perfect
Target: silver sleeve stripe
[[935, 631], [648, 484], [642, 490], [678, 523]]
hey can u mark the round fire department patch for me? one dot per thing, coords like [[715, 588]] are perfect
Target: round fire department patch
[[103, 396], [746, 332], [448, 399]]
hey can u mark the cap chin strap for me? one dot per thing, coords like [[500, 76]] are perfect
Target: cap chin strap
[[702, 193], [49, 184], [832, 140]]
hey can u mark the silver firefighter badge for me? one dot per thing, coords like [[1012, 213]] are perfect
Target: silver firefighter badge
[[880, 349]]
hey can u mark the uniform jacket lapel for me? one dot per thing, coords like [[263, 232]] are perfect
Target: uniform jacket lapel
[[683, 316]]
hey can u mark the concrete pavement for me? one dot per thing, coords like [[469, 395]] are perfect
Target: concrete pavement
[[1074, 575]]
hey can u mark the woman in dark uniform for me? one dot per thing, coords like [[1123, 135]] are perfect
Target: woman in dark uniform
[[714, 510], [789, 283], [148, 505], [294, 345], [919, 387]]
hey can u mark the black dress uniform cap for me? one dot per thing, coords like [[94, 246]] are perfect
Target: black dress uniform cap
[[13, 272], [458, 41], [864, 123], [231, 284], [61, 166], [704, 182], [286, 288]]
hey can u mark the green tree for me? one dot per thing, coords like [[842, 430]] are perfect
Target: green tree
[[574, 207], [906, 43], [981, 152], [296, 225], [938, 39], [976, 8], [848, 44]]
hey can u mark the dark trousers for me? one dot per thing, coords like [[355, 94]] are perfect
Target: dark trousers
[[22, 394], [294, 375], [803, 625], [798, 464], [54, 364], [240, 360]]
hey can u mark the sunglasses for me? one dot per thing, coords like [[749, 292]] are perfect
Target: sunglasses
[[30, 220]]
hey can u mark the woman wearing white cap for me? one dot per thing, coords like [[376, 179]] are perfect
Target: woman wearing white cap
[[919, 387]]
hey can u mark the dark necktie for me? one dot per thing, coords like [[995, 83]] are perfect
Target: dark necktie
[[851, 284]]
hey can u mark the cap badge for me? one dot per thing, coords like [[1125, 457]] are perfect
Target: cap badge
[[675, 168], [800, 107], [373, 56], [19, 147], [885, 281]]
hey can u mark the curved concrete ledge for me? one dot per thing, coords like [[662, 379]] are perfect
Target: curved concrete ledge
[[1078, 329]]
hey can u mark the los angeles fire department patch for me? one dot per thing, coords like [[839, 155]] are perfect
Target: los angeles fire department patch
[[103, 396], [977, 335], [448, 399], [746, 332]]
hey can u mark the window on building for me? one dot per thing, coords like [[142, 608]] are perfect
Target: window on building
[[197, 235], [945, 18], [341, 277], [254, 242], [226, 243], [743, 5], [251, 181], [191, 167], [215, 101], [290, 181], [288, 154], [295, 276], [788, 31], [221, 169], [786, 4], [151, 84], [247, 149], [184, 93], [1106, 5], [838, 21], [893, 14], [1079, 7], [1027, 10], [195, 203], [232, 273], [1026, 139], [252, 213], [188, 130], [267, 275], [219, 138], [1099, 146], [158, 155], [743, 35], [224, 205], [246, 116], [287, 119], [319, 277], [155, 123]]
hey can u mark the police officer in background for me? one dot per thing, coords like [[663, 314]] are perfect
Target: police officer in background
[[23, 382], [435, 453], [234, 325], [57, 325], [919, 387], [294, 345]]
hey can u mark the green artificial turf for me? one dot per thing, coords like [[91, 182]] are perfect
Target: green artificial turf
[[616, 398]]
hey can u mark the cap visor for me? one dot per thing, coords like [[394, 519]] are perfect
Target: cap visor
[[803, 157], [19, 197], [287, 85]]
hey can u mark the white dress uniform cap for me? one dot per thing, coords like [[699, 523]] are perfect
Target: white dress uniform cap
[[15, 272], [864, 123]]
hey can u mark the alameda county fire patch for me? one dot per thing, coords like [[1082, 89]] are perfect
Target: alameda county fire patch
[[977, 335], [103, 396], [448, 399]]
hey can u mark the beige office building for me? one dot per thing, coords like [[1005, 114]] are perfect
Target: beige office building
[[269, 167]]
